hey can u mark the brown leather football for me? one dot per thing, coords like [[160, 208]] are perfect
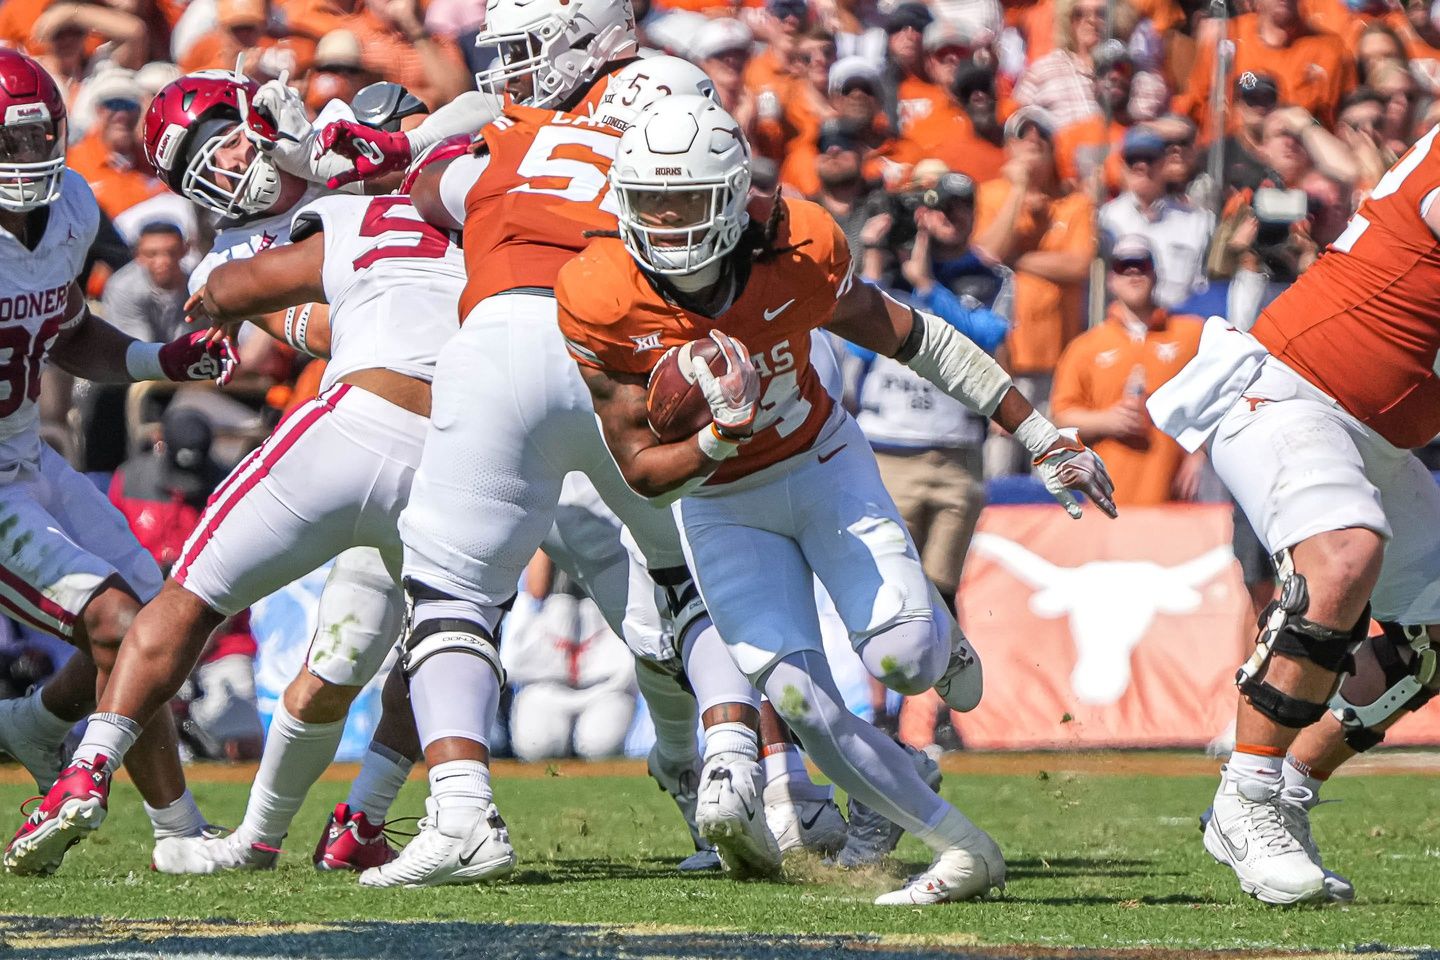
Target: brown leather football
[[674, 401]]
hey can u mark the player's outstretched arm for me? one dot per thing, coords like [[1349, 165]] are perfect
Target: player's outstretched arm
[[89, 347], [941, 354], [264, 289], [655, 470]]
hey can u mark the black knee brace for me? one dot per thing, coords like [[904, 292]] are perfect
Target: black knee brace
[[1284, 629], [682, 606], [1393, 671]]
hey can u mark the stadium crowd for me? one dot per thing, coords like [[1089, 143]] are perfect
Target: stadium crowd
[[1072, 183]]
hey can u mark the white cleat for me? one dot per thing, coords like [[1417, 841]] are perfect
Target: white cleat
[[213, 851], [682, 782], [804, 816], [481, 852], [42, 758], [731, 814], [1250, 832], [871, 837], [963, 682], [1296, 802], [962, 872]]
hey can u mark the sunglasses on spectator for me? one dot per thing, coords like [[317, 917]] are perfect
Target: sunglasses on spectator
[[1182, 143], [1260, 99], [121, 105], [343, 69], [1135, 159], [1134, 267], [850, 86], [1088, 13]]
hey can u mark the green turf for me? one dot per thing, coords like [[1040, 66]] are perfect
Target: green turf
[[1094, 860]]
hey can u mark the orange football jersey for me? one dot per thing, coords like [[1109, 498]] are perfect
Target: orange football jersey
[[1363, 324], [614, 319], [544, 187]]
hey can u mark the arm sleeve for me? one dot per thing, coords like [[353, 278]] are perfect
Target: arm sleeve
[[467, 113], [987, 328]]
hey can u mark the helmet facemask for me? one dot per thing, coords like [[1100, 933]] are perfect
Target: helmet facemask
[[230, 193], [679, 228], [33, 170]]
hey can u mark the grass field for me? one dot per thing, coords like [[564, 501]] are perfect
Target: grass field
[[1103, 853]]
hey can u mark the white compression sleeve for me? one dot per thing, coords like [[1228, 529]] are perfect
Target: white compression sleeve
[[957, 365], [467, 113]]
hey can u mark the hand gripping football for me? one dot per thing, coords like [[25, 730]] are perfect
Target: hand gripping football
[[676, 406]]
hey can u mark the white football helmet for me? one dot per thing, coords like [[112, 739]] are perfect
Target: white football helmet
[[681, 177], [644, 82], [560, 44]]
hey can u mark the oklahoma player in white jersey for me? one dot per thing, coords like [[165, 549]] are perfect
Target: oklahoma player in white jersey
[[782, 487], [72, 567], [1310, 419], [196, 139]]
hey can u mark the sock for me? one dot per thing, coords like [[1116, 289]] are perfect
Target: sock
[[782, 762], [731, 738], [181, 819], [47, 727], [1250, 762], [1298, 773], [950, 829], [382, 774], [461, 791], [296, 753], [107, 735]]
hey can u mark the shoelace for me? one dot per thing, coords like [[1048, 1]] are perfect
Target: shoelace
[[391, 833], [1268, 823], [26, 813]]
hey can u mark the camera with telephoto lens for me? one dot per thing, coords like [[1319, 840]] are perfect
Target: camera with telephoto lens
[[1278, 210]]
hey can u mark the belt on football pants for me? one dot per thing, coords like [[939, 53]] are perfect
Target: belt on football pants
[[527, 291]]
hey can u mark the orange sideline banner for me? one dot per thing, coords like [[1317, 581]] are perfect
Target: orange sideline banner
[[1099, 633]]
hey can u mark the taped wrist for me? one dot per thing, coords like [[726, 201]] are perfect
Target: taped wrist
[[1037, 434], [716, 445], [955, 364], [142, 361]]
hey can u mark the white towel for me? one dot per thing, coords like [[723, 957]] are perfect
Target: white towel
[[1190, 405]]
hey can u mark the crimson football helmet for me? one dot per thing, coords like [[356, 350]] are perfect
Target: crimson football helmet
[[190, 121], [32, 134]]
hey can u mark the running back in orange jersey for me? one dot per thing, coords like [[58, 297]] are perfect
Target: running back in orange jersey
[[614, 319], [1363, 324], [543, 188]]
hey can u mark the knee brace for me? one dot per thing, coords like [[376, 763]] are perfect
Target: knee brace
[[431, 636], [680, 606], [1393, 672], [1284, 629]]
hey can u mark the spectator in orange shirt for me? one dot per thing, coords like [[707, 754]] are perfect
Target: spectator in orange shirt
[[397, 47], [1422, 41], [339, 71], [1028, 221], [1084, 148], [967, 138], [1105, 375], [855, 87], [109, 157], [722, 49], [239, 29], [773, 69], [948, 45], [1312, 67], [903, 67]]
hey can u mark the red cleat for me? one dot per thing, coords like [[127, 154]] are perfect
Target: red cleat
[[352, 842], [76, 805]]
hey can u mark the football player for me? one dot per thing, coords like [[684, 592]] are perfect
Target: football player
[[72, 567], [1310, 419], [781, 487]]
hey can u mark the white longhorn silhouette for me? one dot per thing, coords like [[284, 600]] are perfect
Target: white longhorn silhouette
[[1111, 603]]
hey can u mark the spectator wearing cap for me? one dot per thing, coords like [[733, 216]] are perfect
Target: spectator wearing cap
[[855, 88], [397, 47], [722, 48], [239, 30], [904, 58], [1106, 373], [843, 190], [967, 137], [1063, 81], [783, 123], [339, 71], [109, 156], [1027, 220], [1177, 232], [772, 70], [1312, 67], [1091, 147], [1256, 96], [947, 46]]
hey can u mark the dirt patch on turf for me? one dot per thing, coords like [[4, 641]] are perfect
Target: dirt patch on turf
[[93, 938], [1119, 763]]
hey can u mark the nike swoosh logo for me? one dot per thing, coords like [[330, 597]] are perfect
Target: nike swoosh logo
[[466, 858], [831, 455], [772, 314], [810, 824], [1237, 852], [749, 812]]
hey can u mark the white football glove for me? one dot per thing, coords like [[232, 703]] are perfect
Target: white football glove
[[732, 395], [1074, 466], [297, 151]]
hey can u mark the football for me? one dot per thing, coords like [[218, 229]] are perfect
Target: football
[[674, 401]]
